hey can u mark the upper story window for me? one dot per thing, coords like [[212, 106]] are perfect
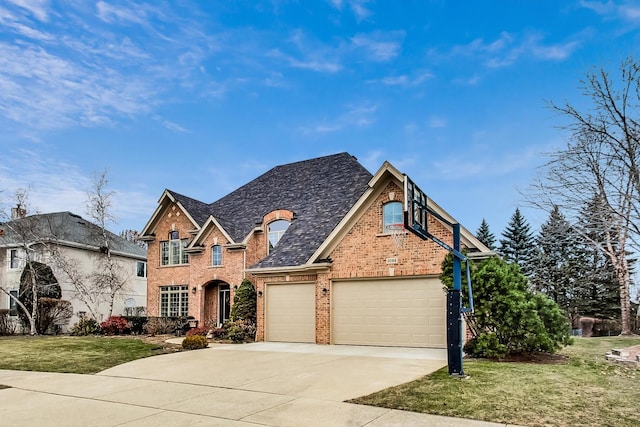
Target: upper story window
[[391, 214], [172, 251], [14, 260], [216, 255], [276, 230], [141, 269]]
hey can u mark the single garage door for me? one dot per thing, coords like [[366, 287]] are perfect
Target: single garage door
[[390, 312], [290, 313]]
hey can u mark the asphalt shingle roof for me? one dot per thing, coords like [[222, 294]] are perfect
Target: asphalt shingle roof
[[318, 191], [64, 226]]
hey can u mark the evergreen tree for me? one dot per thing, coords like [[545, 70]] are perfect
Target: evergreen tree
[[509, 318], [517, 245], [559, 262], [486, 236], [599, 294]]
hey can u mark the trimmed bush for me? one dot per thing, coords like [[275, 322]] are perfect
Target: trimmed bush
[[86, 326], [115, 325], [241, 331], [202, 331], [194, 342], [244, 303]]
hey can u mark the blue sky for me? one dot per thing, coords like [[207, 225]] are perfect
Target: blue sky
[[202, 97]]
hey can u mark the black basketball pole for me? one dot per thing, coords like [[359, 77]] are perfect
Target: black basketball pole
[[454, 311]]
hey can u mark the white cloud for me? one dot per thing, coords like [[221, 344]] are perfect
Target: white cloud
[[509, 48], [54, 185], [38, 8], [437, 122], [357, 7], [354, 115], [75, 71], [405, 80], [379, 46]]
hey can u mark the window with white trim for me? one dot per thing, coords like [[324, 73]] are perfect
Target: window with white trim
[[276, 230], [174, 301], [391, 214], [141, 269], [216, 255], [172, 251]]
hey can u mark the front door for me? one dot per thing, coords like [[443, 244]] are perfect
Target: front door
[[224, 303]]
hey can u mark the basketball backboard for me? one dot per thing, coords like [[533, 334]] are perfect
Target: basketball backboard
[[415, 209]]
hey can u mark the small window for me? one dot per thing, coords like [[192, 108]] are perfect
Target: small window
[[276, 230], [391, 214], [13, 305], [216, 255], [141, 269], [14, 261]]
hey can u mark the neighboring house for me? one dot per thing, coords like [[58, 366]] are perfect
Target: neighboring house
[[312, 236], [78, 241]]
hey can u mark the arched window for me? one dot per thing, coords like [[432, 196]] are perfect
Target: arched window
[[216, 255], [391, 214], [276, 230], [172, 251]]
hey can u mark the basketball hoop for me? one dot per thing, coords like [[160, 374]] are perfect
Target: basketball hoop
[[397, 232]]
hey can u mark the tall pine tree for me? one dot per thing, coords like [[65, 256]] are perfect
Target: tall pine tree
[[517, 245], [486, 236], [600, 290], [559, 264]]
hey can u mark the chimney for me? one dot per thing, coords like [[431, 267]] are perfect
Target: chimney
[[18, 212]]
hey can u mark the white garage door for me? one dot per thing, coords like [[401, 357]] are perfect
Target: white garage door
[[290, 313], [390, 312]]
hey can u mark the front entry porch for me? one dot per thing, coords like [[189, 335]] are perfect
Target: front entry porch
[[217, 303]]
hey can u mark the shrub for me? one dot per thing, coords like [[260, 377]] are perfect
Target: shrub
[[53, 315], [115, 325], [202, 331], [163, 325], [508, 317], [218, 333], [7, 326], [86, 326], [194, 342], [241, 331], [137, 324]]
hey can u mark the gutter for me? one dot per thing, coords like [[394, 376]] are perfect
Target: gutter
[[290, 269]]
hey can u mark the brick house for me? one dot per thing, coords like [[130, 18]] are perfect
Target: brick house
[[312, 237]]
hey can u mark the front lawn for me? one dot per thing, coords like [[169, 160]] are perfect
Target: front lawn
[[80, 355], [583, 389]]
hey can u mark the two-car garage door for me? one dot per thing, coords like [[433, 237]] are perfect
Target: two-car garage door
[[387, 312], [391, 312]]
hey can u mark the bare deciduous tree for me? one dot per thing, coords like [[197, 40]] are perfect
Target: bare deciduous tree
[[108, 276], [601, 164], [30, 238]]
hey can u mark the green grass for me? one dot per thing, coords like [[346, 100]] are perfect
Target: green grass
[[81, 355], [583, 390]]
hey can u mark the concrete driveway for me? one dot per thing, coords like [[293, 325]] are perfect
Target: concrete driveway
[[270, 384]]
